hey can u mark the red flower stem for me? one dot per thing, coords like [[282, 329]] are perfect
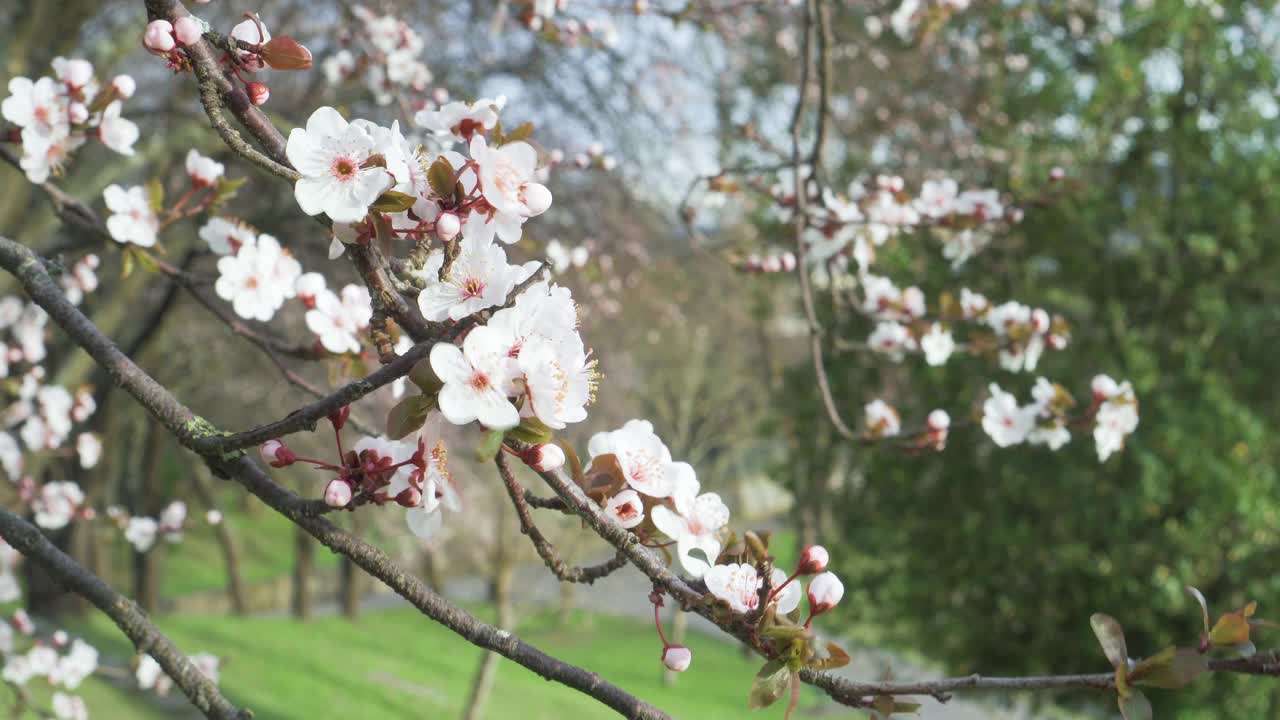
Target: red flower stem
[[774, 593], [657, 621]]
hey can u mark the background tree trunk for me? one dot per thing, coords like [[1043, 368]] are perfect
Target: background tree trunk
[[304, 551], [227, 544], [482, 684], [351, 588], [146, 569]]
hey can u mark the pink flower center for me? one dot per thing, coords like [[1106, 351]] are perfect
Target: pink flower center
[[472, 287], [344, 169], [627, 512], [479, 381]]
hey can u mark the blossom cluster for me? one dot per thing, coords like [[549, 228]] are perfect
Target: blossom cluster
[[385, 52], [1046, 420], [56, 115], [151, 677], [142, 531], [38, 416], [61, 662], [137, 215]]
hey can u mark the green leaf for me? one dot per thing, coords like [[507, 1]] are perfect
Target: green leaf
[[522, 132], [225, 189], [490, 446], [408, 415], [1135, 706], [531, 430], [393, 201], [425, 378], [769, 684], [145, 260], [1231, 629], [155, 195], [836, 658], [1170, 669], [126, 263], [440, 177], [1111, 638]]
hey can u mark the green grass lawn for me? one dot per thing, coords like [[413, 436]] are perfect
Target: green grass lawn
[[397, 664]]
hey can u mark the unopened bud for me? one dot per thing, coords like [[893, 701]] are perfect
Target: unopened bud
[[448, 226], [1103, 387], [409, 497], [545, 457], [213, 517], [1057, 173], [125, 86], [158, 37], [1039, 320], [339, 417], [813, 560], [276, 454], [337, 494], [677, 657], [938, 420], [536, 198], [788, 261], [187, 30], [59, 638], [284, 53], [258, 93], [77, 113], [825, 592]]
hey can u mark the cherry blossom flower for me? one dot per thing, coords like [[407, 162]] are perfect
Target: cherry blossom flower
[[882, 420], [543, 311], [171, 520], [10, 456], [226, 236], [477, 380], [80, 661], [257, 279], [644, 459], [694, 527], [559, 380], [1004, 421], [506, 177], [116, 132], [141, 533], [56, 504], [150, 676], [461, 121], [937, 197], [45, 154], [479, 278], [68, 707], [253, 32], [88, 450], [625, 508], [338, 320], [203, 171], [937, 345], [331, 155], [132, 220], [788, 597], [37, 105], [890, 338], [736, 584], [1117, 416]]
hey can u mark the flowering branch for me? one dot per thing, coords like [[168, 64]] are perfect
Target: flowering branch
[[131, 620]]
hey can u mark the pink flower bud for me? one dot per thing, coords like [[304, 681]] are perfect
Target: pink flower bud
[[187, 30], [788, 261], [276, 454], [448, 226], [677, 657], [409, 497], [825, 592], [124, 85], [1057, 173], [22, 622], [339, 417], [258, 93], [158, 37], [545, 457], [536, 198], [337, 493], [1039, 320], [1103, 387], [813, 560]]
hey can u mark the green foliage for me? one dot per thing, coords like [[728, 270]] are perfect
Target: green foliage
[[1158, 247]]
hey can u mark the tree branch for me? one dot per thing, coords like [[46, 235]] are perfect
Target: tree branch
[[132, 621], [546, 550]]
